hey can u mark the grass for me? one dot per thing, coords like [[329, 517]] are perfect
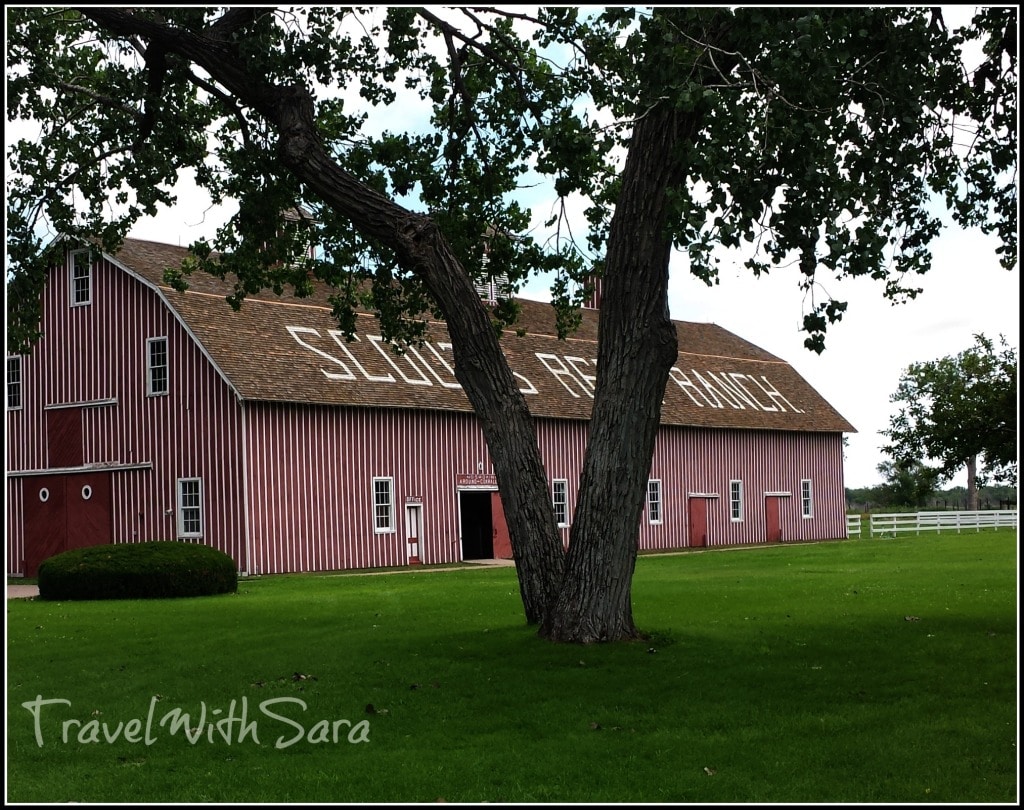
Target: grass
[[860, 671]]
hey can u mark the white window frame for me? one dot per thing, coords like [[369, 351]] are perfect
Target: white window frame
[[384, 521], [806, 498], [77, 258], [654, 505], [14, 366], [560, 501], [151, 390], [736, 500], [190, 509]]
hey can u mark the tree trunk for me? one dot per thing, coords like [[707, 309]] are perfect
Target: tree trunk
[[480, 364], [972, 484], [636, 350]]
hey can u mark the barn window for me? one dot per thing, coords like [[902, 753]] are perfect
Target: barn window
[[13, 383], [190, 508], [736, 500], [654, 501], [806, 498], [81, 278], [560, 500], [383, 505], [156, 366]]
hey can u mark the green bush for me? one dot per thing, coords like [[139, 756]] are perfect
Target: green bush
[[153, 570]]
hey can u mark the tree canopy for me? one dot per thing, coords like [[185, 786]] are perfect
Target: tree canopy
[[907, 483], [825, 141], [834, 177], [958, 409]]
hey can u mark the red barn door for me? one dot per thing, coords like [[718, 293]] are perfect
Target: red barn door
[[46, 523], [502, 541], [63, 512], [773, 526], [698, 509], [89, 509], [64, 437]]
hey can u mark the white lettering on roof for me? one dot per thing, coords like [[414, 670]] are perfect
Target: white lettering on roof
[[427, 365]]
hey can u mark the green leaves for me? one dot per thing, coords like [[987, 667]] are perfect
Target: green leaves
[[823, 139], [958, 407]]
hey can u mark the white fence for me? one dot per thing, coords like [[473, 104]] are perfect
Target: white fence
[[917, 522]]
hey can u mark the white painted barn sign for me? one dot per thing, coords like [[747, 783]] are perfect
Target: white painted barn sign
[[429, 364], [267, 434]]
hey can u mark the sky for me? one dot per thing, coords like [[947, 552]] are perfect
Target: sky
[[965, 293]]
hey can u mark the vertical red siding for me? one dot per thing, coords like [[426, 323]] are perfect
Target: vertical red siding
[[310, 476], [297, 479], [15, 527], [563, 446], [690, 460], [96, 355], [693, 460]]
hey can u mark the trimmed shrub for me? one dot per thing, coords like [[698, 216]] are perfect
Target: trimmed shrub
[[154, 570]]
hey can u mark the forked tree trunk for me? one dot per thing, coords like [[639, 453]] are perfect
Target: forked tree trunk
[[636, 350]]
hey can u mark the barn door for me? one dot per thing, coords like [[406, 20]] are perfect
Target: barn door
[[413, 530], [89, 510], [698, 515], [46, 521], [64, 437], [773, 524], [502, 545], [477, 529], [63, 512]]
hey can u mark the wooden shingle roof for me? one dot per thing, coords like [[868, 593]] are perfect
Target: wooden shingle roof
[[288, 349]]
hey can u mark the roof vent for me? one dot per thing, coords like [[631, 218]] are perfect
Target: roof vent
[[493, 287]]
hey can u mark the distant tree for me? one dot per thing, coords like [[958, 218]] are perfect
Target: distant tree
[[907, 483], [959, 410]]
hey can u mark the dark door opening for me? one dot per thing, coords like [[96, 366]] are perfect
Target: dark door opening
[[477, 528]]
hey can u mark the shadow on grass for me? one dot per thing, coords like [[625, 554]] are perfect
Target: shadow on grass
[[820, 677]]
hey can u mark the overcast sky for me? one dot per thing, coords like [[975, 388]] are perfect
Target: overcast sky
[[965, 293]]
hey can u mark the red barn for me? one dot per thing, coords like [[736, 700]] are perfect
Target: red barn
[[148, 414]]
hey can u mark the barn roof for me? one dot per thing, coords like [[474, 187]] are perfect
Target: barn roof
[[288, 349]]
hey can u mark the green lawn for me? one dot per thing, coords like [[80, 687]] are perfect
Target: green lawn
[[857, 671]]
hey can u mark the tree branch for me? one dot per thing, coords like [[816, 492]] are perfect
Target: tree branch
[[106, 101], [234, 19]]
